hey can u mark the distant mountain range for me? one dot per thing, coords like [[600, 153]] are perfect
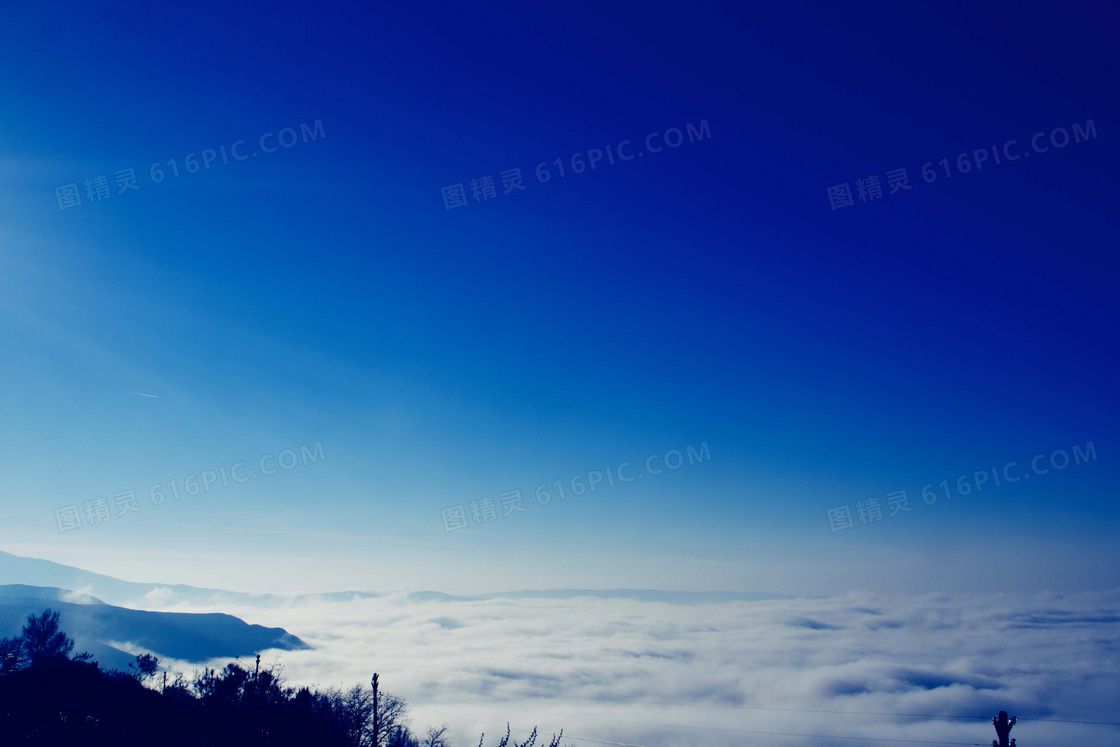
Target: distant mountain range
[[642, 595], [100, 628], [35, 572], [19, 570]]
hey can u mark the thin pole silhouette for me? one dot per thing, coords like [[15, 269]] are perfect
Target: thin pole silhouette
[[376, 715]]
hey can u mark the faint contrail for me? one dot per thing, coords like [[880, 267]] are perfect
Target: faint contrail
[[141, 394]]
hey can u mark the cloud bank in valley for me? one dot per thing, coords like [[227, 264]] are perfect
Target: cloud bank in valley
[[585, 663]]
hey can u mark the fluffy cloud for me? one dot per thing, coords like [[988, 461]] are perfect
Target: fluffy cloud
[[766, 666]]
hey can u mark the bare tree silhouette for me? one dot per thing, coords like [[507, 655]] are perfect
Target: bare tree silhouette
[[1003, 729]]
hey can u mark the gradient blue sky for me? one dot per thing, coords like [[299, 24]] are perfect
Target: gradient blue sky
[[706, 293]]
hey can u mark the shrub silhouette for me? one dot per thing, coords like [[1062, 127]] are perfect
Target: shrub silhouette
[[49, 698], [145, 667], [11, 654]]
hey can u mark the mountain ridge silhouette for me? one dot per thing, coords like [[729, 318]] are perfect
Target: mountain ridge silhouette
[[100, 628]]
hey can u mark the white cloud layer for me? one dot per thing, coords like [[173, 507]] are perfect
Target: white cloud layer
[[566, 663]]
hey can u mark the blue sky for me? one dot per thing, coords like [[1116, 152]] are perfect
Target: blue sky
[[704, 293]]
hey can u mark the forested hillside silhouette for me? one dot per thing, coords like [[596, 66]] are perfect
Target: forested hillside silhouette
[[51, 696]]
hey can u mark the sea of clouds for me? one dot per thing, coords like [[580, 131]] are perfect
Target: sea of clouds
[[731, 673]]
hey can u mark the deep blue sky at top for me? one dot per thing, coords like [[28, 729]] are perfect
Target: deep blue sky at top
[[704, 293]]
